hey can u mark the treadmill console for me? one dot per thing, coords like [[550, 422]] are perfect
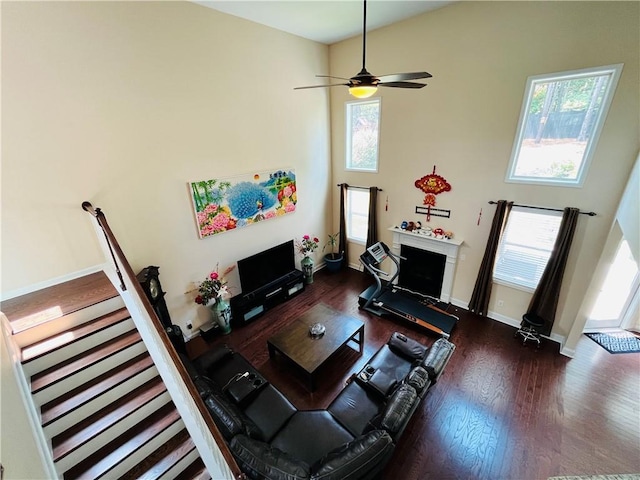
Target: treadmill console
[[378, 252]]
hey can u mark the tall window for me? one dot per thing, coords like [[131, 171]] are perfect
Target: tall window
[[363, 134], [560, 122], [525, 247], [357, 214]]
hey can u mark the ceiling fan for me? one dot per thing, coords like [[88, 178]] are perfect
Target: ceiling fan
[[363, 85]]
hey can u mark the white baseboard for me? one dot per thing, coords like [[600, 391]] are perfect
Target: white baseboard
[[512, 322]]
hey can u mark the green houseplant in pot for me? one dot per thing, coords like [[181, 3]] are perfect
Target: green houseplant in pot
[[333, 260]]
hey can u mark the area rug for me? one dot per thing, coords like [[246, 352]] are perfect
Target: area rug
[[616, 342]]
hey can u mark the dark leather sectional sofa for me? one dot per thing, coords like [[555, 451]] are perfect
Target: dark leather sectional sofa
[[352, 439]]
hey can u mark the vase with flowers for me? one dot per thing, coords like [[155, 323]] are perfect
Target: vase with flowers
[[306, 246], [214, 293]]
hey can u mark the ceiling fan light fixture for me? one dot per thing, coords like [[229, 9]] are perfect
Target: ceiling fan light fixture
[[363, 91]]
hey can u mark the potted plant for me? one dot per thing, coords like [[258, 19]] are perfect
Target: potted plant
[[333, 260]]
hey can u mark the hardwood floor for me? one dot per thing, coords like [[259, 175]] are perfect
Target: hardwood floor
[[500, 410]]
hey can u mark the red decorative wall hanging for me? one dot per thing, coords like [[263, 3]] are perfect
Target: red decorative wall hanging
[[432, 185]]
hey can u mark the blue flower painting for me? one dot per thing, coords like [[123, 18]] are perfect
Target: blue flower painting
[[221, 205]]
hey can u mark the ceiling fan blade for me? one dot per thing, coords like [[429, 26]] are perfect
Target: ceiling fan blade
[[331, 76], [398, 77], [321, 86], [402, 84]]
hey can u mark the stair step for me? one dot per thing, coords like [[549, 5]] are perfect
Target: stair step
[[36, 308], [164, 458], [64, 323], [43, 347], [106, 458], [195, 471], [70, 401], [56, 373], [94, 425]]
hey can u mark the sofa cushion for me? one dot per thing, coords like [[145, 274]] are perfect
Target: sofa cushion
[[437, 357], [407, 347], [228, 417], [359, 458], [310, 435], [259, 460], [269, 410], [393, 364], [399, 408], [418, 378], [205, 361], [354, 407]]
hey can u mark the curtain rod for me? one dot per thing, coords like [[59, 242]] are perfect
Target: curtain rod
[[356, 186], [591, 214]]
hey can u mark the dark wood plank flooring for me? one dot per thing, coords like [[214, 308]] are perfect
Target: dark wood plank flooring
[[500, 410]]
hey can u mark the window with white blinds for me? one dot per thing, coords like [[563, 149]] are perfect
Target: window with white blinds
[[357, 215], [525, 247]]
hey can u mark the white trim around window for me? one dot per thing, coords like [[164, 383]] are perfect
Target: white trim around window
[[362, 135], [561, 119]]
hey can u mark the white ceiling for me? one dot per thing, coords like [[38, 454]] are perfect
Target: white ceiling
[[325, 21]]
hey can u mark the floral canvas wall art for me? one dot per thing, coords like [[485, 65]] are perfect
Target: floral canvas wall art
[[221, 205]]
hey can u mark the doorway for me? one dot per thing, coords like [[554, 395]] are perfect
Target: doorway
[[617, 301]]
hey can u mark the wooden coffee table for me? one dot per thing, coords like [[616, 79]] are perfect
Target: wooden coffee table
[[309, 354]]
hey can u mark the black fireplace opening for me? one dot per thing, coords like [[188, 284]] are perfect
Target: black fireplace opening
[[422, 271]]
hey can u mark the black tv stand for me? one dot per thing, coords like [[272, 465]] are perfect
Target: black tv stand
[[248, 306]]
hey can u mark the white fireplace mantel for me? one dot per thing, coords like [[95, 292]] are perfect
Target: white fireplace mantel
[[443, 246]]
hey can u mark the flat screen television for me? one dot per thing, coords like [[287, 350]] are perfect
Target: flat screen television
[[266, 267]]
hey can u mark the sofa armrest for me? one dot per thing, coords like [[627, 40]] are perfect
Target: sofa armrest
[[400, 407], [419, 379], [406, 347], [259, 460], [206, 386], [360, 458], [437, 358], [229, 419]]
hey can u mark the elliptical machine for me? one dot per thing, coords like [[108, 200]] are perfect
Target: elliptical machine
[[387, 298]]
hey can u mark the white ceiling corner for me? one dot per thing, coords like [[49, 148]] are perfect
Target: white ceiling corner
[[324, 21]]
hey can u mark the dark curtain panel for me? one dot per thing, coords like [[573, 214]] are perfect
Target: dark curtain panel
[[479, 302], [342, 246], [545, 299], [372, 223]]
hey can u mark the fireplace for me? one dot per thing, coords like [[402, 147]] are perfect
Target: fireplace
[[444, 252], [422, 271]]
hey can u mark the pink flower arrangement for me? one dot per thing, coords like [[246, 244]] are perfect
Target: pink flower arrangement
[[307, 245], [213, 287]]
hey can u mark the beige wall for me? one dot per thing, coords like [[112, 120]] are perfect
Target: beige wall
[[122, 104], [464, 122], [18, 451]]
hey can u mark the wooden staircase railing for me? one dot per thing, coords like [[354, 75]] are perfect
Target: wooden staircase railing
[[209, 441]]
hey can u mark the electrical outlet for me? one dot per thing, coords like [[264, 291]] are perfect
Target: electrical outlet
[[501, 303], [463, 257]]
